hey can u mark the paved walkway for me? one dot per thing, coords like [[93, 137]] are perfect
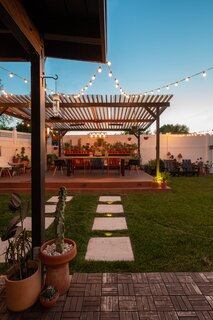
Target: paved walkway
[[128, 296]]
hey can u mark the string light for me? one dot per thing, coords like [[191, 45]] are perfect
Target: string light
[[176, 83]]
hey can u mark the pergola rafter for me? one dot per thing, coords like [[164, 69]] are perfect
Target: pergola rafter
[[92, 112]]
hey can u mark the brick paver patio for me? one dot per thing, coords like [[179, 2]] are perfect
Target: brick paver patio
[[128, 296]]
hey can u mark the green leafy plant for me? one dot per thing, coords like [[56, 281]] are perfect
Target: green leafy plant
[[18, 251]]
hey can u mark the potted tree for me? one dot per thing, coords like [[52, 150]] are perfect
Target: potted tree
[[23, 280], [58, 252]]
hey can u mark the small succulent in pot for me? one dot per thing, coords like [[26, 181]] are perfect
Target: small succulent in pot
[[49, 296]]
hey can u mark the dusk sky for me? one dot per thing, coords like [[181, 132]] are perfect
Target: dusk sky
[[151, 43]]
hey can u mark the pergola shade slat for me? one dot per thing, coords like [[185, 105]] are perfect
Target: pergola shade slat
[[93, 112]]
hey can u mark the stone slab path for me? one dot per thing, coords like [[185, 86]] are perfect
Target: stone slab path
[[127, 296], [109, 249], [109, 224], [110, 208]]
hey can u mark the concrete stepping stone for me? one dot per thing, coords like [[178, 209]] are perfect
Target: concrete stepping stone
[[54, 199], [109, 224], [110, 199], [109, 249], [50, 208], [28, 226], [110, 208]]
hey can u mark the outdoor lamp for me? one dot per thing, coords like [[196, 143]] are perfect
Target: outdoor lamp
[[56, 104]]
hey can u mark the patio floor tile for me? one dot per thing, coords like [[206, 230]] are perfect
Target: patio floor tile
[[110, 208], [109, 249], [109, 224]]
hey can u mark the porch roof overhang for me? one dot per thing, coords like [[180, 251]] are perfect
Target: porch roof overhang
[[92, 112], [61, 29]]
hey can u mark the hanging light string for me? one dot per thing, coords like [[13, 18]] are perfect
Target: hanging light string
[[116, 82], [177, 82], [12, 75]]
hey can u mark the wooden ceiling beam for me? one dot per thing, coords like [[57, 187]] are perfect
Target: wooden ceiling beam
[[16, 19], [76, 39]]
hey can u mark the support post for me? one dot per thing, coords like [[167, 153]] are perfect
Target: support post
[[157, 141], [38, 150]]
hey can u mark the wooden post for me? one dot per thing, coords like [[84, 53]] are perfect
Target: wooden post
[[157, 141], [38, 149]]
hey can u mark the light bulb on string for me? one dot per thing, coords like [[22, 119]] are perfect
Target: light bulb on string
[[116, 80], [93, 77], [116, 85], [167, 87], [176, 84], [110, 74], [25, 81], [90, 83], [187, 79], [109, 63], [204, 74], [11, 75], [99, 69]]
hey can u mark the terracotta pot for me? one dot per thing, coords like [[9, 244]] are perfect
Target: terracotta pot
[[49, 303], [22, 294], [57, 267]]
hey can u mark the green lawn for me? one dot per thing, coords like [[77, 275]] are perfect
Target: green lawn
[[171, 231]]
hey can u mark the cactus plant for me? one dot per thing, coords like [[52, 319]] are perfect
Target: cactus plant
[[59, 219]]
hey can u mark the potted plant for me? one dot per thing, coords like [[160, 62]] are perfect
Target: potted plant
[[23, 280], [58, 252], [49, 296]]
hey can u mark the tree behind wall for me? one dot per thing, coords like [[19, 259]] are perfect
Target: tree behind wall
[[177, 128]]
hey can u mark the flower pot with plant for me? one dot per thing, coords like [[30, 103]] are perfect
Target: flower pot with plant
[[23, 281], [49, 296], [57, 253]]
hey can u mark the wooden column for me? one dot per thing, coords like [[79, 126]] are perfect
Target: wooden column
[[38, 150], [157, 141]]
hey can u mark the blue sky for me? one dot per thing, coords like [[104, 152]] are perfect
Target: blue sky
[[151, 43]]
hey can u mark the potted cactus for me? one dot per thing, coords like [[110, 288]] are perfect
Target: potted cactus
[[58, 252]]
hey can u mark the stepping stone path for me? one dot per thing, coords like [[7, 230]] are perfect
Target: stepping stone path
[[27, 223], [50, 208], [110, 208], [110, 199], [109, 224], [109, 248]]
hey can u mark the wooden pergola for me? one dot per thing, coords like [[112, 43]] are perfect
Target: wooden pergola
[[31, 31], [92, 112]]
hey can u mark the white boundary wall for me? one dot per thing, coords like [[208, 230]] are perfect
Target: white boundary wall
[[190, 146]]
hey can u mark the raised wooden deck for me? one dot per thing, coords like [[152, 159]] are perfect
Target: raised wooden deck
[[133, 182]]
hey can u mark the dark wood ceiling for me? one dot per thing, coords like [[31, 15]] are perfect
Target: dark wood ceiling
[[69, 29]]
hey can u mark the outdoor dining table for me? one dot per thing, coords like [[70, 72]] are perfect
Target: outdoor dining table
[[69, 160]]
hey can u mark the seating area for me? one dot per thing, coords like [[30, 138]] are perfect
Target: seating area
[[5, 167]]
